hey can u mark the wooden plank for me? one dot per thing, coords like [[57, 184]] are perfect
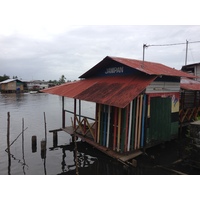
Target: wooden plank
[[123, 129], [115, 128], [108, 129], [119, 129], [133, 124], [130, 125], [140, 121], [55, 130], [130, 156], [143, 120], [99, 123], [136, 123], [105, 125], [127, 126]]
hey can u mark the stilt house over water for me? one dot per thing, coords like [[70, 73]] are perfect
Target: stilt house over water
[[11, 86], [137, 104], [190, 95]]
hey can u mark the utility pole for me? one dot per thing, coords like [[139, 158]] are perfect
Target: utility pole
[[144, 46], [186, 53]]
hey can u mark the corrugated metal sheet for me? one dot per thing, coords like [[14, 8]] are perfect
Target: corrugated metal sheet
[[150, 68], [188, 84], [116, 91]]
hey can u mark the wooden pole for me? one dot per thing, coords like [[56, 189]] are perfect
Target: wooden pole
[[76, 156], [8, 141], [79, 101], [63, 112], [43, 149], [22, 136], [55, 139], [45, 127], [23, 146], [8, 132], [74, 114], [34, 143]]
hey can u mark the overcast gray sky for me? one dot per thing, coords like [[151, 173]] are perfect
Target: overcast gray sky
[[46, 39]]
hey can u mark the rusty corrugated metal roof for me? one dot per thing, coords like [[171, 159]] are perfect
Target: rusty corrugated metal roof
[[188, 84], [150, 68], [116, 91]]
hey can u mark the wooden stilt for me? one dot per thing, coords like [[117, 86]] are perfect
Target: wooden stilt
[[63, 112], [8, 142], [74, 114], [34, 143]]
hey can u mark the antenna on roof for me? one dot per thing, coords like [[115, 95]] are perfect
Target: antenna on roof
[[144, 46]]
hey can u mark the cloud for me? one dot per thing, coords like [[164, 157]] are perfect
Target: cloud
[[75, 49]]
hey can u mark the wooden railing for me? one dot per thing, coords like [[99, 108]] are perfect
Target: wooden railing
[[188, 114]]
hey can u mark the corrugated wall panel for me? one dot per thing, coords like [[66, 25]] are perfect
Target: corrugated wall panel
[[163, 87], [160, 119]]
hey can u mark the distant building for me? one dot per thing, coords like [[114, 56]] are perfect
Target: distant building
[[37, 85], [11, 86], [193, 69]]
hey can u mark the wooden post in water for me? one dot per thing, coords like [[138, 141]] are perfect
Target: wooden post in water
[[22, 136], [45, 127], [8, 142], [55, 139], [34, 143], [76, 157], [43, 149], [23, 146]]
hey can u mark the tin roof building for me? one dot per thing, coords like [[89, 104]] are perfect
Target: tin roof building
[[137, 105]]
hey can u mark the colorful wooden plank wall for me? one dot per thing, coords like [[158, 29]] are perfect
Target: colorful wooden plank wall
[[122, 129]]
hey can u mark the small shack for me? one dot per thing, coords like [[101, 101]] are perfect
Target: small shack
[[193, 69], [189, 101], [11, 86], [137, 105]]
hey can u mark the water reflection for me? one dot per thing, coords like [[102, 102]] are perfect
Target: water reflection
[[89, 161], [22, 161]]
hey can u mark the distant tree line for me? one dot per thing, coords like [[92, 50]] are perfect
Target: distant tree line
[[4, 77], [61, 80]]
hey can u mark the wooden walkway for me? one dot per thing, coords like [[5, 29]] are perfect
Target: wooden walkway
[[122, 157]]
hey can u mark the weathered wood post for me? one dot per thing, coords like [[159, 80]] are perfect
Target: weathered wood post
[[43, 149], [45, 127], [8, 142], [34, 143], [55, 139], [63, 112]]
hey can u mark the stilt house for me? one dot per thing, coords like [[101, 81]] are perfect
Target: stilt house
[[189, 101], [137, 104], [11, 86]]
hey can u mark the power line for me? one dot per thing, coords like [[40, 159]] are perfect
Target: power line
[[157, 45], [161, 45]]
